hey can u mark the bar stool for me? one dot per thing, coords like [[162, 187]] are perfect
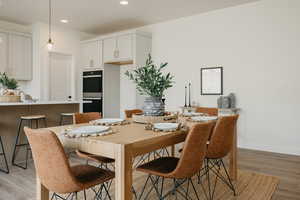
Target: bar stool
[[29, 119], [63, 116], [2, 153]]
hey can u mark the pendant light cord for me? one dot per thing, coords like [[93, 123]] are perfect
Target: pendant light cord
[[50, 16]]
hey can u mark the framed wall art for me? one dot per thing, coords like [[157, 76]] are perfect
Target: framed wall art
[[211, 81]]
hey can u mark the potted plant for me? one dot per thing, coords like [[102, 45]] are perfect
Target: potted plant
[[9, 91], [151, 82]]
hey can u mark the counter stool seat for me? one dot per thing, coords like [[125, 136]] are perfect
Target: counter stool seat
[[33, 117], [18, 144], [67, 114]]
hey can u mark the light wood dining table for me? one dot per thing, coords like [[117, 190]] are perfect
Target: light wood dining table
[[126, 143]]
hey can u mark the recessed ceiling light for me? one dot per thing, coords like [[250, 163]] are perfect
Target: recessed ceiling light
[[124, 2], [64, 21]]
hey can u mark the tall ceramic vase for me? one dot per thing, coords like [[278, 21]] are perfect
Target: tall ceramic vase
[[153, 106]]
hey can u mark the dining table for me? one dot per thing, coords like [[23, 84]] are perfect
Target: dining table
[[127, 142]]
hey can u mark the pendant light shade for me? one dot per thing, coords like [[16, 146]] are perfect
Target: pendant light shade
[[50, 42]]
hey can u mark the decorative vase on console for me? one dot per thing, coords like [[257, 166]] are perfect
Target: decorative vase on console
[[151, 82]]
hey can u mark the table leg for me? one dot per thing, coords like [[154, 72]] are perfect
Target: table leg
[[123, 170], [233, 157], [42, 193]]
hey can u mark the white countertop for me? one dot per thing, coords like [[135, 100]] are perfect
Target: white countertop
[[40, 103]]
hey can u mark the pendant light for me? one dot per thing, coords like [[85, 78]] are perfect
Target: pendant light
[[50, 42]]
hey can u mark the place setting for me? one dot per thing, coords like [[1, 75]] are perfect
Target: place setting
[[110, 122], [87, 131]]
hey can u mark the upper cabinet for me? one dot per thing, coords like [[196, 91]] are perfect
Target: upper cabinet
[[118, 49], [16, 55], [109, 49], [92, 54], [3, 52], [20, 57]]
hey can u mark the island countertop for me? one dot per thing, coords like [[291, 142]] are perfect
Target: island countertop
[[40, 103]]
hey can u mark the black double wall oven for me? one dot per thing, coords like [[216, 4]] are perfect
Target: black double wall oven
[[93, 91]]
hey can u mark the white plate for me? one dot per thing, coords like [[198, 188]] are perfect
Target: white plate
[[191, 114], [204, 118], [109, 121], [165, 126], [88, 130]]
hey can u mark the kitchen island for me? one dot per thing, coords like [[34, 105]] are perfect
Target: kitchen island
[[10, 114]]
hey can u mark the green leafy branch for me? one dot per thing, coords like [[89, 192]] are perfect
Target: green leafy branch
[[9, 83], [150, 80]]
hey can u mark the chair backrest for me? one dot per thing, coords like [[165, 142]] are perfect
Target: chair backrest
[[194, 151], [81, 118], [129, 113], [222, 137], [50, 161], [208, 111]]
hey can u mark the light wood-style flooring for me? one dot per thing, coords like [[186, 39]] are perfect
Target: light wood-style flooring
[[20, 184]]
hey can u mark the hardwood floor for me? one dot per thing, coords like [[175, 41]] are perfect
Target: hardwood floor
[[285, 167], [21, 183]]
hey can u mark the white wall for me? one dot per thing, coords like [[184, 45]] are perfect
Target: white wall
[[258, 45]]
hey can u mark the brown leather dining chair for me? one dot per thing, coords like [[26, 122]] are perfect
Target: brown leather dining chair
[[219, 147], [54, 170], [208, 111], [129, 113], [182, 169], [81, 118], [103, 162]]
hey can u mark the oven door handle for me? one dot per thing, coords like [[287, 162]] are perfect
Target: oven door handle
[[93, 76], [88, 99]]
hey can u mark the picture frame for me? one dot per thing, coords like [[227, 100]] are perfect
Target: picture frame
[[211, 81]]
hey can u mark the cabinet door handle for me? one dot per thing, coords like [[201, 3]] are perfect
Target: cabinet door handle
[[91, 63], [116, 54]]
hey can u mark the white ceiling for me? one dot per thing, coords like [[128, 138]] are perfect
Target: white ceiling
[[103, 16]]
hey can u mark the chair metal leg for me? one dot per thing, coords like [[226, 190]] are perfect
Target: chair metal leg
[[208, 178], [58, 197], [215, 168], [4, 156], [177, 189], [107, 192], [228, 177], [84, 194], [144, 187]]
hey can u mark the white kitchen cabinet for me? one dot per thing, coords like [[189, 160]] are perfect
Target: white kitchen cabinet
[[118, 48], [20, 57], [3, 52], [124, 47], [109, 49], [92, 54]]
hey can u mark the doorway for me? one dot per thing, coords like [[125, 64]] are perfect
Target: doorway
[[60, 76]]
